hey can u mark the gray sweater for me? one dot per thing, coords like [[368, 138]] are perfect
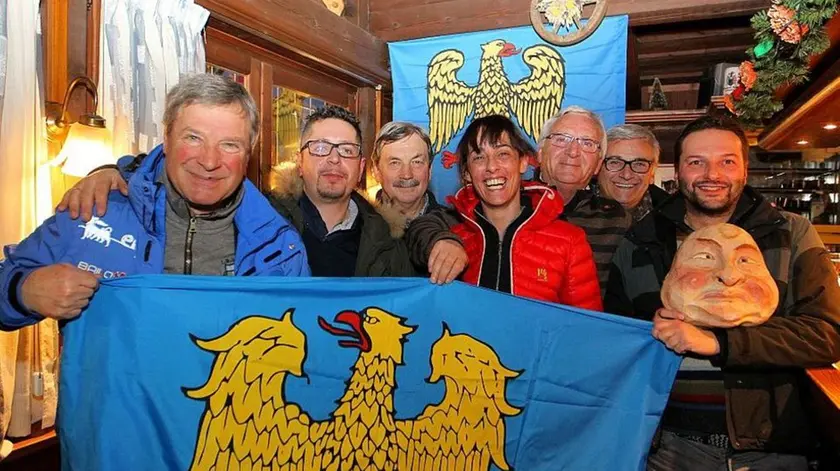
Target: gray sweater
[[199, 244]]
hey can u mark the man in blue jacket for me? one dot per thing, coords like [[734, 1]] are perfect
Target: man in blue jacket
[[188, 210]]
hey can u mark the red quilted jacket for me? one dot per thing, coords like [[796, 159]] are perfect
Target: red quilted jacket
[[550, 259]]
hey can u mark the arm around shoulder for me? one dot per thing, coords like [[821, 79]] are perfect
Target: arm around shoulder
[[424, 232]]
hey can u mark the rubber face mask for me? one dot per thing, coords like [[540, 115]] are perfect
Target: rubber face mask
[[719, 279]]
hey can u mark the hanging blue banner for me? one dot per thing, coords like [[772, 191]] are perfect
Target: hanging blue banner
[[443, 83], [174, 373]]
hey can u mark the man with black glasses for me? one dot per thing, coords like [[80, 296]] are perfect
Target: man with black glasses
[[343, 234], [629, 167]]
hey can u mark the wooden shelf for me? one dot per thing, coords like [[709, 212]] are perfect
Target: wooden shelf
[[830, 235], [32, 444], [663, 116]]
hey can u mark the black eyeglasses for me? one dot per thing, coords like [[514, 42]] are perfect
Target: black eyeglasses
[[560, 139], [617, 164], [322, 148]]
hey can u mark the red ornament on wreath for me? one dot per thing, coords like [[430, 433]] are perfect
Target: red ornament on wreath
[[738, 93]]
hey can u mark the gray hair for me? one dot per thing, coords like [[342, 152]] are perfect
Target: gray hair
[[395, 131], [546, 129], [213, 90], [629, 132]]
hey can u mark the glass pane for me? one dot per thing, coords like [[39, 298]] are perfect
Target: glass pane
[[216, 70], [290, 109]]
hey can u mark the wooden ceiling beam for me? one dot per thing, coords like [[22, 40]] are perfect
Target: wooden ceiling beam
[[406, 19], [691, 58], [305, 28], [692, 40], [669, 78]]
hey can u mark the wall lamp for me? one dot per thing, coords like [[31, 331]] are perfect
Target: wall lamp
[[86, 143]]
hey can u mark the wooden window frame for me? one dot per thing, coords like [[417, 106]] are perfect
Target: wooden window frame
[[245, 54]]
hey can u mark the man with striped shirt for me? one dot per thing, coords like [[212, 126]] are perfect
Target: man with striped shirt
[[572, 147]]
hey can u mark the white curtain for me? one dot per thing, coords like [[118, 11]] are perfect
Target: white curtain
[[28, 357], [146, 46]]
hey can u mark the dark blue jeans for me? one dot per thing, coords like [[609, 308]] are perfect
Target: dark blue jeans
[[679, 454]]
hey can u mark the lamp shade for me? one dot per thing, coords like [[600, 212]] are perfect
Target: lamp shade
[[86, 148]]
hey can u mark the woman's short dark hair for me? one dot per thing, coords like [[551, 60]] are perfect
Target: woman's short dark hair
[[490, 130], [716, 121]]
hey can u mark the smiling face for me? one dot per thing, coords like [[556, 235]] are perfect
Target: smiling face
[[626, 186], [207, 150], [719, 279], [495, 171], [712, 171], [331, 177], [568, 164], [404, 170]]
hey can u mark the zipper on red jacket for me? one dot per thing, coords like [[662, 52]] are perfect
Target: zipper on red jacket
[[499, 262], [188, 247]]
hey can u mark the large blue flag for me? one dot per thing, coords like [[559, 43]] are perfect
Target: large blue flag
[[443, 83], [176, 373]]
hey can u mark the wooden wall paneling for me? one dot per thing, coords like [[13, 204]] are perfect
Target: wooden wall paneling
[[256, 84], [307, 29], [55, 22], [232, 52], [681, 96], [77, 55], [92, 39], [379, 105], [674, 59], [363, 16], [679, 39], [394, 20], [366, 112], [670, 77], [634, 83], [227, 52], [358, 11], [64, 42], [365, 108], [387, 107]]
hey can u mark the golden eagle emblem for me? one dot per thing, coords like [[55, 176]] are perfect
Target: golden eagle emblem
[[533, 100], [248, 424]]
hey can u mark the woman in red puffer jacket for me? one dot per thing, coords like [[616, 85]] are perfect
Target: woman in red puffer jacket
[[510, 230]]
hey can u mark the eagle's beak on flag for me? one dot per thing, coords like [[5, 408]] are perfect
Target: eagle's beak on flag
[[508, 50]]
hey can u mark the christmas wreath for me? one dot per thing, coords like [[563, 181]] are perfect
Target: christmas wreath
[[788, 33]]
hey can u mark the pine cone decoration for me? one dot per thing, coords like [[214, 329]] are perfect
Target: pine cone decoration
[[748, 75], [783, 24]]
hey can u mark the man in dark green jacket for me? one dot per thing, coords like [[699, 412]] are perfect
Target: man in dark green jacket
[[738, 397], [342, 231]]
